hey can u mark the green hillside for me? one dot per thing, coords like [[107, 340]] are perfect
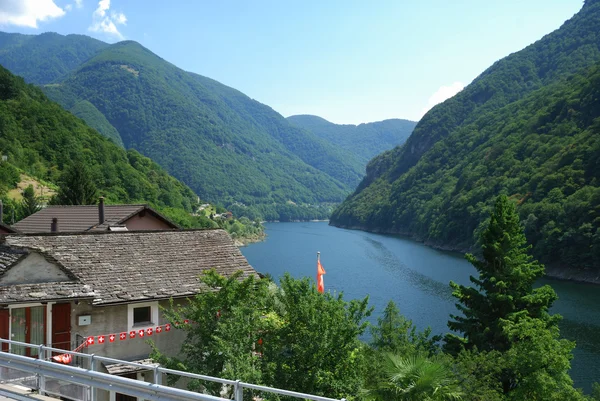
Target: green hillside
[[41, 139], [528, 128], [364, 140], [227, 147], [42, 59]]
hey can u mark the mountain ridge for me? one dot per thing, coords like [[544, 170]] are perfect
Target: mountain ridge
[[511, 131], [205, 133], [365, 139]]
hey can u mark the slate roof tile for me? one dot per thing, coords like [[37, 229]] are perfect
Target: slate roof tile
[[81, 218], [128, 265]]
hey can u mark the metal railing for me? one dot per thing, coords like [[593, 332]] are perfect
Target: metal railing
[[40, 370]]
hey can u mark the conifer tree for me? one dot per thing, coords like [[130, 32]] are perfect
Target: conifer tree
[[504, 287], [76, 186], [30, 203]]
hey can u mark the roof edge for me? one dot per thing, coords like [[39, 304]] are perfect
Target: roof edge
[[64, 233]]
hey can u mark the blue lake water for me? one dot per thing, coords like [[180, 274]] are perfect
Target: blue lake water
[[415, 277]]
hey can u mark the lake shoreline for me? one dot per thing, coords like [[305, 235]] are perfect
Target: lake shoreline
[[554, 272]]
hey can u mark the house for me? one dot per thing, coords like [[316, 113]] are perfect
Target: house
[[94, 218], [105, 289]]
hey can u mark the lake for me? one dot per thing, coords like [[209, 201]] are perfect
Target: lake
[[415, 277]]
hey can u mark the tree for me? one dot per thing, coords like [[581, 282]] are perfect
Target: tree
[[289, 337], [77, 186], [536, 366], [317, 349], [505, 286], [30, 203], [397, 334], [415, 378], [509, 320]]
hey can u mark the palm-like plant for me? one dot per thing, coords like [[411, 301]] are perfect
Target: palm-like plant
[[415, 378]]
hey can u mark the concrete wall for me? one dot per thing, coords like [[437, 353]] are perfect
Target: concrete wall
[[34, 269], [146, 222], [106, 320]]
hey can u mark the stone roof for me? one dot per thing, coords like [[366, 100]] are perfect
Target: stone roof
[[117, 267], [82, 218]]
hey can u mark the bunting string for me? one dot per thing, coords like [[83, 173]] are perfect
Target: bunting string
[[112, 338]]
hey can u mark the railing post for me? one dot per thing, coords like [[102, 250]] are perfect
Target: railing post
[[238, 391], [157, 375], [41, 380], [93, 394]]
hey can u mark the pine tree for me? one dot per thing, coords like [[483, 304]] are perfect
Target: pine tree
[[504, 287], [76, 186], [30, 203]]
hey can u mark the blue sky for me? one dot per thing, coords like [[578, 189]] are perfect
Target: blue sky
[[344, 60]]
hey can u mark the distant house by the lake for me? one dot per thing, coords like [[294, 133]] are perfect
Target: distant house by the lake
[[91, 218]]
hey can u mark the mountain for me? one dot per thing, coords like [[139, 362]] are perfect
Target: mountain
[[364, 140], [41, 139], [44, 58], [527, 127], [227, 147]]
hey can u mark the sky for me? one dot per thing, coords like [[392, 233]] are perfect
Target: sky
[[347, 61]]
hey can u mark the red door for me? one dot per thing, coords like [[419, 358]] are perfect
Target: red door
[[4, 332], [61, 326]]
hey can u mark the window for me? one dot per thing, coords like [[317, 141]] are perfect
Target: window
[[142, 315]]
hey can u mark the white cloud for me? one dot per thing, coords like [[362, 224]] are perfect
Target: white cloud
[[78, 3], [28, 12], [103, 22], [68, 7], [443, 93], [119, 18]]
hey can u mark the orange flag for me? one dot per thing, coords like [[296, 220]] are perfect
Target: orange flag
[[320, 273]]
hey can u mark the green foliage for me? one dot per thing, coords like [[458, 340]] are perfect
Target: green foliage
[[528, 128], [30, 203], [76, 186], [416, 378], [92, 117], [42, 140], [537, 363], [504, 317], [364, 140], [396, 334], [504, 285], [42, 59], [291, 337], [226, 146]]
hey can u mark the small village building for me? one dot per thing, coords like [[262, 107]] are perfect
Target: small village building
[[65, 289], [99, 217]]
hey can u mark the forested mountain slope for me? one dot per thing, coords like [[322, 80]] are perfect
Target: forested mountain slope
[[527, 127], [42, 59], [364, 140], [41, 139], [227, 147]]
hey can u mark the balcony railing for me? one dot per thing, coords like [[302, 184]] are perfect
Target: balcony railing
[[82, 382]]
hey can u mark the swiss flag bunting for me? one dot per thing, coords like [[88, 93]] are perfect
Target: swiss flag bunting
[[101, 339]]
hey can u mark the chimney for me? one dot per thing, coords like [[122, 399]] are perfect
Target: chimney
[[101, 210], [54, 225]]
